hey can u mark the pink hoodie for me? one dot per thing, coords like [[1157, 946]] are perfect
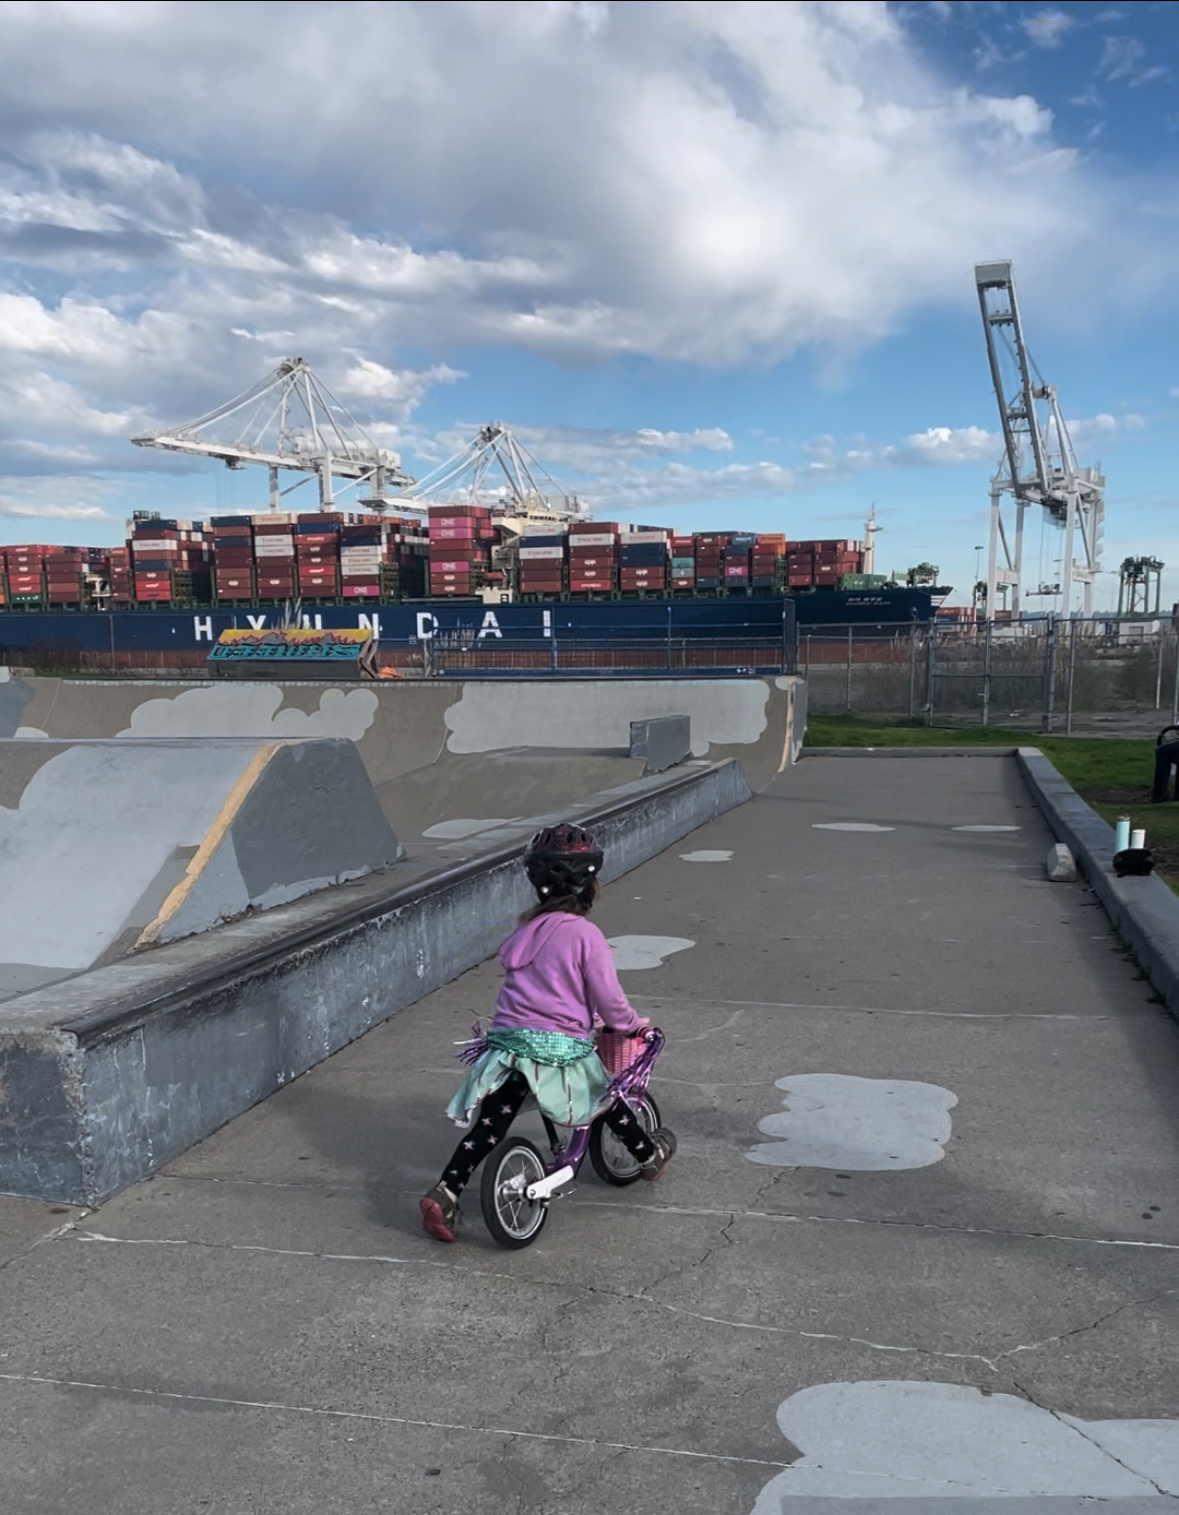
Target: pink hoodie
[[559, 974]]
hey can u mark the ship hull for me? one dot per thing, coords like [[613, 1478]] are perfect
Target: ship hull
[[769, 619]]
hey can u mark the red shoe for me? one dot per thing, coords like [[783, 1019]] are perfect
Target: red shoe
[[439, 1214]]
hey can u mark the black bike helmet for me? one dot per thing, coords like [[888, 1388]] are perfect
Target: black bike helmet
[[563, 860]]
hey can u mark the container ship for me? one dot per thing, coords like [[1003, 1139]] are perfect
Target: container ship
[[465, 570]]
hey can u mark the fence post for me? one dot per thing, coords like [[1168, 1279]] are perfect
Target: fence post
[[849, 671], [553, 656], [1072, 674], [929, 658], [1175, 689], [912, 671], [986, 698], [1049, 674], [1158, 683], [808, 656], [669, 637]]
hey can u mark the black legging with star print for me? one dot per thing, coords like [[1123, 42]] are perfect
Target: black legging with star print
[[500, 1108]]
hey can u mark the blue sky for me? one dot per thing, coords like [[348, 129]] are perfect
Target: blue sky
[[713, 261]]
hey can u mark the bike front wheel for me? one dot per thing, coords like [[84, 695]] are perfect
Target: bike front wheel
[[513, 1219], [612, 1162]]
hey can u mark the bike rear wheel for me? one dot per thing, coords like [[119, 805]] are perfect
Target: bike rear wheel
[[612, 1162], [513, 1219]]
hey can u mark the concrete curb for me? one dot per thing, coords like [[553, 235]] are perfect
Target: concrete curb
[[1144, 912], [908, 752], [107, 1076]]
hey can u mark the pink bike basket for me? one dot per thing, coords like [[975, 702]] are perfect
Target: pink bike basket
[[618, 1051]]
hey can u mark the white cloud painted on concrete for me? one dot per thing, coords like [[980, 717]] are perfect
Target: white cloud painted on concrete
[[253, 710], [836, 1121], [634, 952], [899, 1442]]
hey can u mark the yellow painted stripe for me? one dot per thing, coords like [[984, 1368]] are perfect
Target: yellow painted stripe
[[200, 860]]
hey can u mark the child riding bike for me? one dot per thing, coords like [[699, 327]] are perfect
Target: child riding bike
[[559, 981]]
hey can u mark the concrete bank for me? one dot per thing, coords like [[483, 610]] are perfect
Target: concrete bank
[[111, 1074], [1143, 911]]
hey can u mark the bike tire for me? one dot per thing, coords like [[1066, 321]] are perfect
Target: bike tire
[[513, 1220], [611, 1161]]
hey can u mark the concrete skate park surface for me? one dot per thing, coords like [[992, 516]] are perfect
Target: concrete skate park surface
[[916, 1252], [458, 767]]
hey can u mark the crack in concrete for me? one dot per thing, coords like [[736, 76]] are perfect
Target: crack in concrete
[[1049, 1341], [592, 1442], [55, 1235], [1074, 1426], [964, 1015], [791, 1218], [645, 1295], [230, 1246], [700, 1036]]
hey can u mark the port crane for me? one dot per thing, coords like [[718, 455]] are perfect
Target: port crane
[[495, 467], [291, 420], [1038, 467]]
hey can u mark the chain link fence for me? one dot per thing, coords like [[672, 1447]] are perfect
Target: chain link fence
[[1048, 675]]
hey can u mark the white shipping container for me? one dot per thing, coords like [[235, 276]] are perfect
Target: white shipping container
[[653, 535], [274, 547], [154, 547], [592, 539], [534, 554]]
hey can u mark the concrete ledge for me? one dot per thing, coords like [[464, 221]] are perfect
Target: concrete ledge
[[110, 1075], [1144, 912], [911, 752], [663, 741]]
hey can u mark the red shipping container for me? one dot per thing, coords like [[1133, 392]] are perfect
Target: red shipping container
[[453, 515], [24, 583], [361, 591], [798, 580], [683, 583]]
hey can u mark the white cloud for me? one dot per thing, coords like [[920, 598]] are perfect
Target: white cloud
[[401, 392], [1120, 57], [955, 444], [1048, 28], [29, 510], [711, 184], [1150, 75]]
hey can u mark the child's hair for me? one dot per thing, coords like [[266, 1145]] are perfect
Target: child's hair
[[568, 904]]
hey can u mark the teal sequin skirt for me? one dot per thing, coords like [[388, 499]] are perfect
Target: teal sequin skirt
[[563, 1072]]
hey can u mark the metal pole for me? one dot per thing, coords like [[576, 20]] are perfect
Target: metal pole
[[1072, 675], [808, 655], [912, 671], [986, 699], [1158, 683], [1175, 690], [929, 658], [849, 670], [669, 636], [1049, 674]]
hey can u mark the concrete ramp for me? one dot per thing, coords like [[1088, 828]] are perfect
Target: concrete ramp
[[111, 845]]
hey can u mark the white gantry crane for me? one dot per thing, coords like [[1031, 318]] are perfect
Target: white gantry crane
[[496, 468], [1038, 466], [290, 420]]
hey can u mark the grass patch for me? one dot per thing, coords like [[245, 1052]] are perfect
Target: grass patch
[[1113, 775]]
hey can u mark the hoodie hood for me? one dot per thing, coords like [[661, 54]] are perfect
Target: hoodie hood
[[524, 945]]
